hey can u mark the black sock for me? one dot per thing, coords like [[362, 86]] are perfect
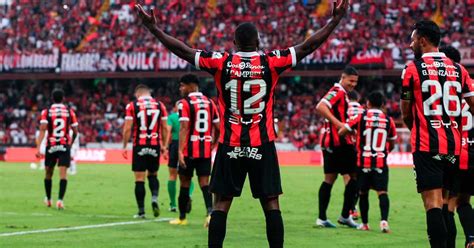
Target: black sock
[[349, 194], [62, 188], [384, 204], [183, 199], [207, 198], [48, 184], [364, 207], [154, 186], [217, 229], [451, 228], [436, 228], [324, 197], [356, 198], [140, 196], [275, 230], [466, 217]]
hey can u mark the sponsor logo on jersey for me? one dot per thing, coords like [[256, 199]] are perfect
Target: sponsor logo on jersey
[[193, 138], [437, 124], [235, 119], [146, 136], [148, 151], [245, 152], [375, 155], [467, 142]]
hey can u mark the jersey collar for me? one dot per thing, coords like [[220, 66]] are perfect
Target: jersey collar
[[144, 97], [195, 94], [247, 54], [340, 86], [375, 111], [433, 54], [57, 105]]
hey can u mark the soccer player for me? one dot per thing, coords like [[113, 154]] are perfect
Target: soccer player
[[199, 123], [460, 186], [74, 148], [148, 118], [245, 83], [432, 90], [373, 129], [339, 153], [57, 120]]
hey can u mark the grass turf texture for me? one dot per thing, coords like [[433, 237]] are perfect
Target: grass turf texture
[[101, 194]]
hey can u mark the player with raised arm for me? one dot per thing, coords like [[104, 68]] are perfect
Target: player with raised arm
[[374, 130], [432, 91], [339, 153], [245, 84], [199, 123], [148, 117], [57, 120]]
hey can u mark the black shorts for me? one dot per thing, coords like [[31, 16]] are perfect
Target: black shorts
[[232, 164], [173, 154], [376, 179], [451, 179], [201, 165], [340, 160], [466, 181], [146, 158], [59, 154], [430, 170]]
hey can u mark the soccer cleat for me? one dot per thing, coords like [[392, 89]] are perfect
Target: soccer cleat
[[156, 209], [60, 205], [347, 222], [363, 227], [47, 202], [139, 216], [207, 221], [172, 209], [189, 205], [354, 214], [179, 222], [384, 226], [324, 224]]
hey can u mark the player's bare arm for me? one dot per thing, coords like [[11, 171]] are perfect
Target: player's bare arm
[[343, 131], [42, 133], [127, 131], [215, 135], [165, 131], [319, 37], [324, 110], [75, 131], [183, 133], [407, 115], [174, 45]]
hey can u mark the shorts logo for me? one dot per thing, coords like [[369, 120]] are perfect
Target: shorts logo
[[148, 151], [449, 158], [367, 170], [245, 152], [58, 148]]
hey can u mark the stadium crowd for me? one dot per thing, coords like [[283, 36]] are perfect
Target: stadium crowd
[[100, 107], [94, 26]]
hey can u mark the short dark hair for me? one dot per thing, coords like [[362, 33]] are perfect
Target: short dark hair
[[189, 79], [58, 95], [350, 70], [353, 95], [451, 53], [246, 33], [142, 87], [430, 30], [376, 99]]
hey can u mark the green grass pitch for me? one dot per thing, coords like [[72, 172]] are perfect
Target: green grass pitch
[[101, 194]]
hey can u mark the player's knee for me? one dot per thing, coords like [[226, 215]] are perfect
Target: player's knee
[[270, 203], [330, 178], [380, 193]]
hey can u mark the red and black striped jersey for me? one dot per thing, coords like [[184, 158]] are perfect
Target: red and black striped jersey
[[59, 119], [373, 129], [466, 160], [245, 84], [336, 99], [201, 112], [354, 109], [436, 85], [147, 114]]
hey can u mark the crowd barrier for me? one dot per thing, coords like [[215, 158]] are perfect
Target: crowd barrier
[[114, 156]]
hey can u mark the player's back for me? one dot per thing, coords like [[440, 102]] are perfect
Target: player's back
[[146, 114], [246, 82], [354, 109], [437, 85], [201, 112], [59, 119]]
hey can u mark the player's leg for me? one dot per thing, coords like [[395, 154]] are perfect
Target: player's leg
[[48, 183], [140, 193], [203, 170], [185, 177], [154, 186], [274, 221], [324, 197], [173, 174], [62, 185], [451, 186], [364, 185], [464, 208], [353, 212], [384, 204], [73, 167], [346, 159], [218, 222]]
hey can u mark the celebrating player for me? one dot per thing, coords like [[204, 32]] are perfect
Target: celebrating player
[[148, 118], [245, 83], [199, 122], [339, 153], [433, 87], [57, 120], [373, 128]]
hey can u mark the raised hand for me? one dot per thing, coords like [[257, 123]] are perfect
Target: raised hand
[[149, 20], [339, 11]]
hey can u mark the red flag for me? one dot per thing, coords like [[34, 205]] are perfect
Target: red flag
[[114, 20], [92, 37], [93, 21]]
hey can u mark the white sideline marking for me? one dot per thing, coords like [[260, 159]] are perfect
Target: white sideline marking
[[74, 215], [73, 228]]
